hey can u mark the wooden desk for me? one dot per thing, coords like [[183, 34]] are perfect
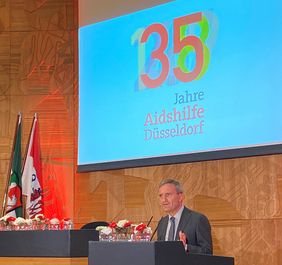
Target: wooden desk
[[63, 247]]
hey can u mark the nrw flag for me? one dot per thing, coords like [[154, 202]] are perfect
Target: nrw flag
[[32, 174], [13, 196]]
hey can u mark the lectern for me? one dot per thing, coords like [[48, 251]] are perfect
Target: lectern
[[148, 253]]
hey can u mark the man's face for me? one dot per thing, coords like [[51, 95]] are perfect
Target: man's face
[[170, 199]]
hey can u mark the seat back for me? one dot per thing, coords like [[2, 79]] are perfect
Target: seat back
[[93, 225]]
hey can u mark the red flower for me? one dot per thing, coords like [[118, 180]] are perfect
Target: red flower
[[140, 227], [127, 224], [11, 219], [113, 225]]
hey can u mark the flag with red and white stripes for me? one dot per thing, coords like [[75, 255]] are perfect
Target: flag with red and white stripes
[[32, 174]]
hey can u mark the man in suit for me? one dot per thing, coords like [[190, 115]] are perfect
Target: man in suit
[[181, 223]]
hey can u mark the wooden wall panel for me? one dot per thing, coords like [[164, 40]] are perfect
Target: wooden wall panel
[[37, 76], [28, 15], [4, 16], [241, 197]]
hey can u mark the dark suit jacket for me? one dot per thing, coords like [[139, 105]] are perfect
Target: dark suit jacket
[[197, 228]]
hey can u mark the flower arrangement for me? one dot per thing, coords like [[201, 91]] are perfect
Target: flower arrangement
[[39, 222], [66, 224], [142, 232], [105, 233], [20, 223], [7, 222], [121, 227], [54, 224], [124, 230]]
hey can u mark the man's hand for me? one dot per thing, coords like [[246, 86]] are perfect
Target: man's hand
[[183, 238]]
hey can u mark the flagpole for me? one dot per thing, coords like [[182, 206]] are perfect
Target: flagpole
[[29, 137], [24, 197], [10, 166]]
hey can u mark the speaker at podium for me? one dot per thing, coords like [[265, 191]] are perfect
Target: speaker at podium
[[149, 253]]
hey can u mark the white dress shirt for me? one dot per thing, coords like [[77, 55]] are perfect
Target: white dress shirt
[[177, 219]]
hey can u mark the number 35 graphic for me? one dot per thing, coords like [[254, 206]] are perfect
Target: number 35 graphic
[[183, 45]]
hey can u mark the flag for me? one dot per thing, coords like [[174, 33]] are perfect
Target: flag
[[32, 174], [14, 192]]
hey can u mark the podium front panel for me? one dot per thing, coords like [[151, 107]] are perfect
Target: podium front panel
[[120, 253], [46, 243], [149, 253]]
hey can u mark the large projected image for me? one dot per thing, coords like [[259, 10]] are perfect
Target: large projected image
[[183, 81]]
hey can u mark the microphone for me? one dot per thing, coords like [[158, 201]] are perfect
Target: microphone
[[150, 220], [155, 230]]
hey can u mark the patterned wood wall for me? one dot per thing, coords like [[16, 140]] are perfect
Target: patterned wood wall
[[38, 73], [241, 197]]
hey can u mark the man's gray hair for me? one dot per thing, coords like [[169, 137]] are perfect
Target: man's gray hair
[[174, 182]]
